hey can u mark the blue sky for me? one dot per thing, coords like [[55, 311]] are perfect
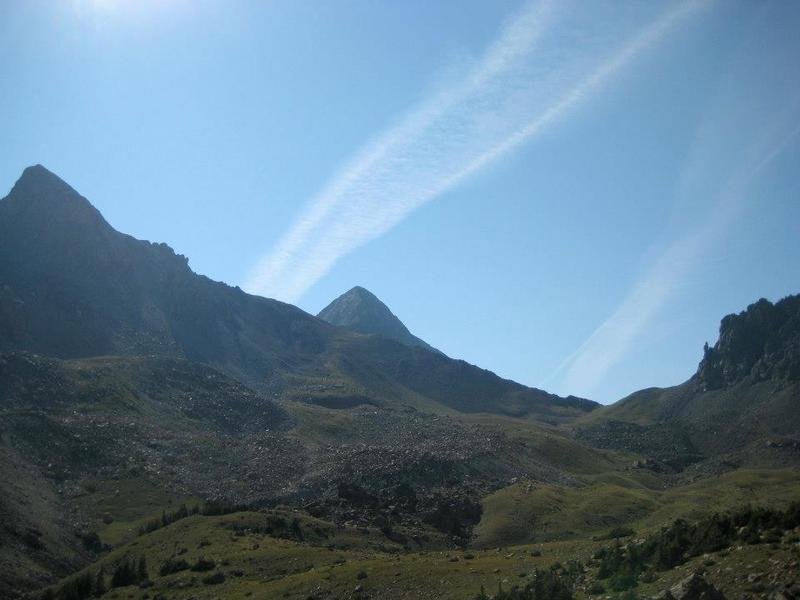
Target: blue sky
[[568, 193]]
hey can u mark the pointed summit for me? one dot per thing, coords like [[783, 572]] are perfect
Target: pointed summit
[[41, 194], [38, 180], [362, 311]]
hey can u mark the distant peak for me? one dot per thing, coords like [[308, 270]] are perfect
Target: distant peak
[[362, 311], [360, 292]]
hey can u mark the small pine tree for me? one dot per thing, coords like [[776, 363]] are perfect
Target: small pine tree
[[296, 531], [141, 571], [99, 584], [124, 574]]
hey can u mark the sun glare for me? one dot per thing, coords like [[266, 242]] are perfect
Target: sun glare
[[134, 10]]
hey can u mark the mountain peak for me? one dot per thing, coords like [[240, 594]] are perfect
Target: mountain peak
[[41, 195], [362, 311], [37, 177], [362, 294]]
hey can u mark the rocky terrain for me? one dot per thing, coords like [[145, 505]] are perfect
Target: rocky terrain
[[191, 431]]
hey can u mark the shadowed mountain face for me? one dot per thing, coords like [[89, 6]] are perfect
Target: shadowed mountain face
[[75, 287], [360, 310], [71, 287]]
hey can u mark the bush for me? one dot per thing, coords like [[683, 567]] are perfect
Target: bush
[[171, 566], [215, 579], [203, 564], [91, 541], [77, 588], [455, 517], [124, 574], [616, 533], [596, 589], [99, 584]]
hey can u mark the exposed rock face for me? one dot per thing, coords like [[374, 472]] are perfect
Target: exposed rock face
[[762, 342], [362, 311], [694, 587]]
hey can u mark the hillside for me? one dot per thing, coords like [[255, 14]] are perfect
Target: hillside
[[74, 433], [360, 310]]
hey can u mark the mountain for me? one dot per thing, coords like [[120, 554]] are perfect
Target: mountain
[[741, 406], [360, 310], [73, 287]]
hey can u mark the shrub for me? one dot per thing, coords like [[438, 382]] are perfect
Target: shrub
[[124, 574], [596, 588], [203, 564], [99, 584], [616, 533], [77, 588], [214, 579], [141, 570], [171, 566], [91, 541]]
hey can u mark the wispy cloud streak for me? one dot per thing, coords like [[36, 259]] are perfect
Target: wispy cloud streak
[[513, 93], [588, 366]]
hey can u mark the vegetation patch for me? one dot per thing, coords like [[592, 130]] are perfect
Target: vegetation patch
[[625, 566]]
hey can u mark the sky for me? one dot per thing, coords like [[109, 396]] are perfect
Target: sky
[[571, 194]]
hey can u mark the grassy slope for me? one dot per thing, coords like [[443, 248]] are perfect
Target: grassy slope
[[527, 512], [274, 568], [118, 508], [335, 562]]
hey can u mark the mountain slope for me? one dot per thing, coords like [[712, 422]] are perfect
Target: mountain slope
[[742, 404], [73, 433], [169, 424], [74, 287], [362, 311]]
